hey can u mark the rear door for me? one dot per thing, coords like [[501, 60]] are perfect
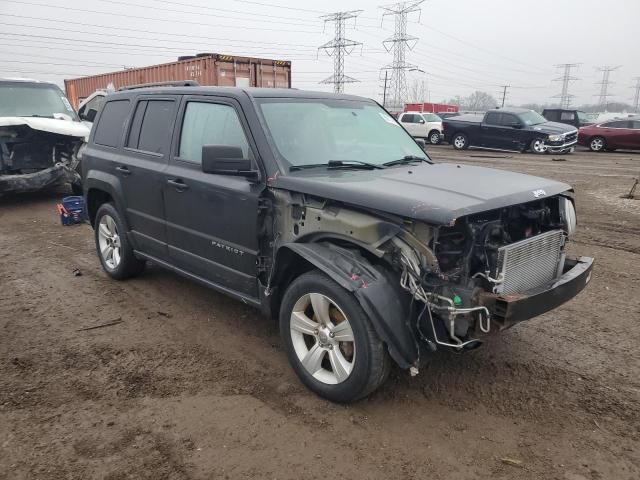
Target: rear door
[[212, 220], [146, 155], [492, 131]]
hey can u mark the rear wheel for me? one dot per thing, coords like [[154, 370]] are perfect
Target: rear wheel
[[434, 137], [460, 141], [330, 342], [597, 144], [538, 146], [114, 250]]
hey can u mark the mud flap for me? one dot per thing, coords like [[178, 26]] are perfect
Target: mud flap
[[31, 182], [378, 293]]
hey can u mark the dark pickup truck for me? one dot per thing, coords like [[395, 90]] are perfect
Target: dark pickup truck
[[323, 211], [515, 129]]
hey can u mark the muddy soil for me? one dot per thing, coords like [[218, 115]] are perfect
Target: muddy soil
[[189, 384]]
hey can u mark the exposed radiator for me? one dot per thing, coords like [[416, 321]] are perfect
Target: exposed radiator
[[530, 263]]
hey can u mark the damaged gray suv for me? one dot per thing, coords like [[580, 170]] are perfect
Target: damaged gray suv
[[322, 211], [41, 137]]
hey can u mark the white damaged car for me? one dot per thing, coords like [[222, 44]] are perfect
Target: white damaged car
[[41, 137]]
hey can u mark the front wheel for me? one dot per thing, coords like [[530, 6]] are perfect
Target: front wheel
[[460, 141], [597, 144], [538, 146], [113, 247], [330, 342]]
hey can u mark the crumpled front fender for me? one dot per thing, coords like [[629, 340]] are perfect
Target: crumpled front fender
[[31, 182], [376, 289]]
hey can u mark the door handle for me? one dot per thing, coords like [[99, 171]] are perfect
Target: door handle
[[123, 170], [178, 184]]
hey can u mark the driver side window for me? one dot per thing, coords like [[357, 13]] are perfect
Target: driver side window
[[210, 124]]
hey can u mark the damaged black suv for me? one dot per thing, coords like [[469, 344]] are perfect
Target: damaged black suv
[[323, 211]]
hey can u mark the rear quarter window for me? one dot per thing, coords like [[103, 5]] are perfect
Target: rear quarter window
[[111, 124]]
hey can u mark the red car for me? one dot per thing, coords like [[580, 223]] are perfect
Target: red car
[[611, 135]]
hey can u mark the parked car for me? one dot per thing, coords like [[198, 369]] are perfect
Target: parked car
[[576, 118], [515, 129], [320, 210], [623, 133], [427, 126], [40, 137]]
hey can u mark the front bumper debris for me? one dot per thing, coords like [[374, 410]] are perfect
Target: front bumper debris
[[31, 182], [507, 310]]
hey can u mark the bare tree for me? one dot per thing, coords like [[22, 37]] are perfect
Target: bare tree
[[417, 92], [478, 101]]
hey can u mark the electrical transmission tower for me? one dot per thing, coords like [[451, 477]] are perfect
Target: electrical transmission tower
[[636, 97], [398, 43], [338, 48], [604, 85], [565, 97]]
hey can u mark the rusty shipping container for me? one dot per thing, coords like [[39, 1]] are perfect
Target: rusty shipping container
[[206, 69]]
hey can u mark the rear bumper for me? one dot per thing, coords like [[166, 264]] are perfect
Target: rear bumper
[[32, 182], [510, 309]]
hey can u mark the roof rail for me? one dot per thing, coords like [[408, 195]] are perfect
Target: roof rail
[[177, 83]]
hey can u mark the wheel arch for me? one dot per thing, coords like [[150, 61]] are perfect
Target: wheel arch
[[373, 285], [101, 188]]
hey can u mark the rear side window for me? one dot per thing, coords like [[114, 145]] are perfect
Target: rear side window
[[152, 126], [111, 125], [433, 118], [492, 118], [567, 116], [210, 124]]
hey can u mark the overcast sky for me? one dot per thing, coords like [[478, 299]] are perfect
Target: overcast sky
[[464, 45]]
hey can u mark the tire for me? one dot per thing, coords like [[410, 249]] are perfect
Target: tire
[[537, 146], [363, 361], [434, 137], [597, 144], [460, 141], [112, 245]]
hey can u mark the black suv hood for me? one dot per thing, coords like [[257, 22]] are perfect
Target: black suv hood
[[553, 128], [436, 194]]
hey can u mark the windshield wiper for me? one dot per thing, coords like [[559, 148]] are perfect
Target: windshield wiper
[[405, 159], [337, 164]]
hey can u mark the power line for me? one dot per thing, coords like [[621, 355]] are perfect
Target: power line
[[398, 43], [338, 48], [155, 19], [604, 85], [565, 96]]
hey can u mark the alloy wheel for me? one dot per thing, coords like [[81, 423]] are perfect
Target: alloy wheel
[[109, 242], [539, 146], [322, 338], [597, 144], [459, 142]]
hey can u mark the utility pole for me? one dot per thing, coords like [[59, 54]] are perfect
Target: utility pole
[[398, 43], [604, 85], [338, 48], [564, 96], [636, 97], [504, 93]]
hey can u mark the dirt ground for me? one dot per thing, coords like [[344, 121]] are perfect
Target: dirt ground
[[193, 385]]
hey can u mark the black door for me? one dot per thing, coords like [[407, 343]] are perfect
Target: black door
[[211, 219], [493, 131], [141, 170]]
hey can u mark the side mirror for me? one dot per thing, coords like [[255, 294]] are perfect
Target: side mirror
[[89, 115], [226, 160], [421, 120]]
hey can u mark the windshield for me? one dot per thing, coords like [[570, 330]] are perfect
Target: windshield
[[532, 118], [317, 131], [33, 100]]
